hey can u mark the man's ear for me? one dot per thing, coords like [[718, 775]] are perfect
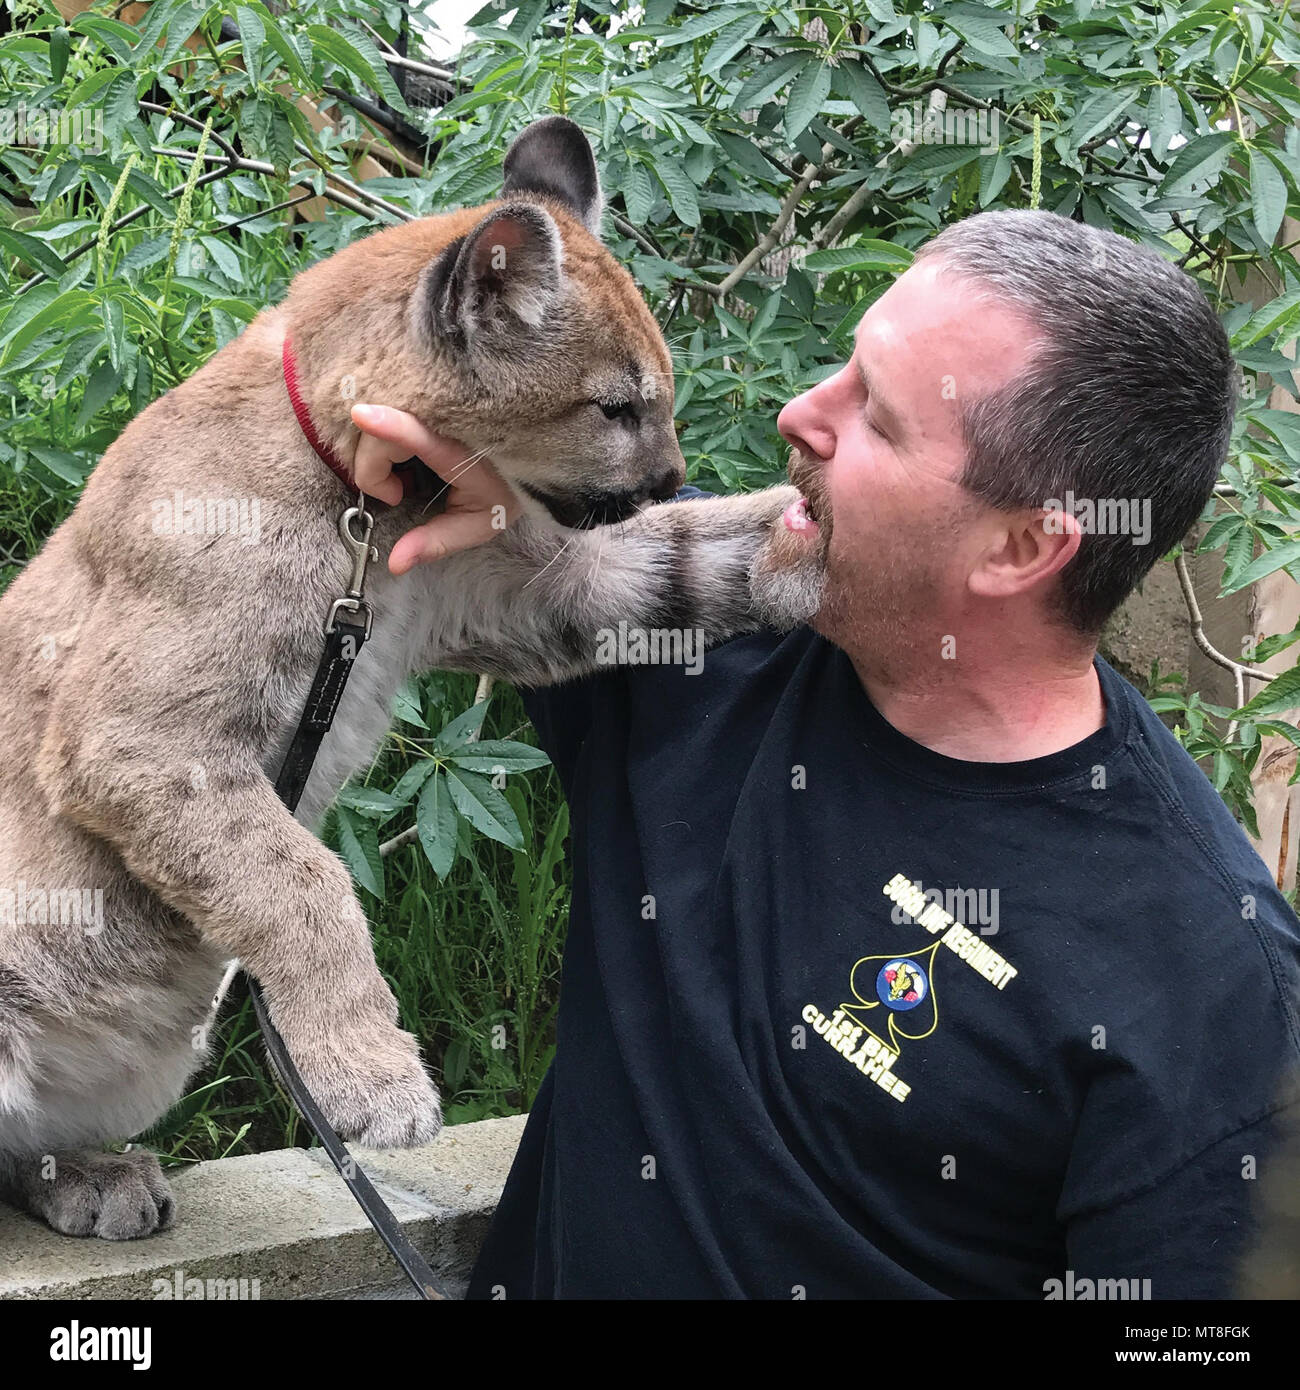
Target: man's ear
[[507, 271], [553, 157], [1030, 548]]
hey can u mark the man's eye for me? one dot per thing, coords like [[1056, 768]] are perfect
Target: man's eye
[[615, 410]]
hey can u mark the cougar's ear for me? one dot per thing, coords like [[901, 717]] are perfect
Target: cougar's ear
[[552, 157], [507, 271]]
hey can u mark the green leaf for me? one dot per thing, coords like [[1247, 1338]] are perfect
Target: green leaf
[[342, 53], [369, 801], [66, 467], [115, 331], [1277, 316], [730, 41], [1284, 426], [808, 93], [435, 823], [87, 90], [980, 30], [36, 312], [995, 170], [1275, 726], [384, 82], [1268, 563], [764, 83], [59, 46], [866, 94], [412, 780], [869, 254], [32, 250], [702, 25], [638, 192], [1199, 161], [115, 36], [252, 40], [1099, 114], [146, 253], [79, 353], [406, 704], [1277, 89], [492, 753], [1164, 118], [766, 316], [462, 729], [527, 17], [1268, 195], [1237, 553], [1221, 531], [100, 389], [359, 845], [681, 191], [747, 156], [120, 105], [1275, 698], [484, 807], [287, 53], [455, 1064]]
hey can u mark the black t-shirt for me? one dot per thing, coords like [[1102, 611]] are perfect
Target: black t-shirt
[[843, 1017]]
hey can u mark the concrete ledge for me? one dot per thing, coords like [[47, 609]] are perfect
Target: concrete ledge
[[286, 1220]]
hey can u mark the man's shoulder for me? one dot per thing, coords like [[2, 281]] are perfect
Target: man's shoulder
[[1183, 802], [1194, 879]]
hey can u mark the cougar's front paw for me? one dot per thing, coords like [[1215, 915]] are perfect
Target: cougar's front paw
[[373, 1088], [777, 499], [84, 1192]]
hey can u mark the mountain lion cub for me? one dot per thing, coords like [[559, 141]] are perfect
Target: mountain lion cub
[[157, 673]]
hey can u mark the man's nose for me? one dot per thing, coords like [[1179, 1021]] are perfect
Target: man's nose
[[805, 425]]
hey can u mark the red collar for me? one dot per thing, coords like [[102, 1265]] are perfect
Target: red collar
[[323, 451]]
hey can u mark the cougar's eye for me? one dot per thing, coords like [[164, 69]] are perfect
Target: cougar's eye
[[616, 410]]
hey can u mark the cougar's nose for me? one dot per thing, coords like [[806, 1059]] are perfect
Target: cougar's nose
[[666, 485]]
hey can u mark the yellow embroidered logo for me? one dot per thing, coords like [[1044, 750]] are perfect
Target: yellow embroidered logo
[[903, 985]]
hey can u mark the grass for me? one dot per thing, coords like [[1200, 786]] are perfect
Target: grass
[[28, 513]]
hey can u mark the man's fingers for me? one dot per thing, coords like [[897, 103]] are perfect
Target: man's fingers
[[479, 503], [442, 536], [387, 437], [372, 470]]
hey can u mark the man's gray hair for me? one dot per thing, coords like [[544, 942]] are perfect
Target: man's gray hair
[[1131, 394]]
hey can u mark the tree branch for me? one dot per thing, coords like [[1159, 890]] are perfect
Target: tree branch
[[643, 239], [1203, 642]]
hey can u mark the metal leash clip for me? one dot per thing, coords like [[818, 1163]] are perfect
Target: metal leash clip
[[362, 553]]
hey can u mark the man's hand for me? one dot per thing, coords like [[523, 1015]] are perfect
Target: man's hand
[[479, 504]]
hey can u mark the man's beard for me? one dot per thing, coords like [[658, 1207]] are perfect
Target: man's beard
[[875, 597], [788, 576]]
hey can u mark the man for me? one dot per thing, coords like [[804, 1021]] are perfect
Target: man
[[910, 956]]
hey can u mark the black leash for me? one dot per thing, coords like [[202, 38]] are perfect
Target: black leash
[[344, 639]]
